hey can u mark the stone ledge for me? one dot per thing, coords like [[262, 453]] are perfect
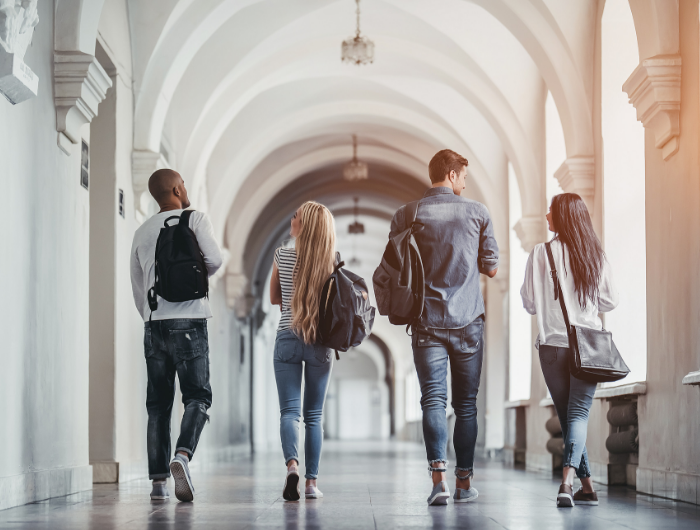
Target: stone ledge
[[516, 404], [631, 389], [693, 378], [547, 402], [39, 485]]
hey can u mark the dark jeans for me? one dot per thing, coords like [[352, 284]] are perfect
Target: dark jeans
[[572, 400], [182, 346], [464, 348]]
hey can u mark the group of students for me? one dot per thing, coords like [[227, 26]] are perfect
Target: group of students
[[457, 245]]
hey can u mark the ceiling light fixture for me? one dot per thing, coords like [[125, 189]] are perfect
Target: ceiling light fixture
[[355, 169], [357, 50]]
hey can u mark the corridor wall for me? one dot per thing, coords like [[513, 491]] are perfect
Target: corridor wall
[[44, 380], [58, 363]]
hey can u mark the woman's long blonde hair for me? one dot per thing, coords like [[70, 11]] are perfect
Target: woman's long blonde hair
[[315, 248]]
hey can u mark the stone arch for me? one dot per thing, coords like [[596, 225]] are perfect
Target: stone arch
[[657, 25]]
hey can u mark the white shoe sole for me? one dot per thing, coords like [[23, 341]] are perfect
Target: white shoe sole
[[183, 487], [159, 497], [565, 501], [439, 499], [313, 495], [586, 503]]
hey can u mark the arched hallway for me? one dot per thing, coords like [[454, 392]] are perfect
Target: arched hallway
[[249, 100]]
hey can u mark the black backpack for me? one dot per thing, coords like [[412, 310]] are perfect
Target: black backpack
[[345, 315], [399, 281], [181, 273]]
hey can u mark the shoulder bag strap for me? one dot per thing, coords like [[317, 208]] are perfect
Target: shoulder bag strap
[[557, 287]]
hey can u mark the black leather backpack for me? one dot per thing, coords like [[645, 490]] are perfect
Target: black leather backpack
[[399, 281], [181, 274], [345, 315]]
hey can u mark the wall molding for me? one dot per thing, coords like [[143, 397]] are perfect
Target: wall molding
[[577, 175], [654, 89], [80, 85], [40, 485]]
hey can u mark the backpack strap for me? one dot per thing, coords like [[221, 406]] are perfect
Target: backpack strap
[[185, 218], [411, 212]]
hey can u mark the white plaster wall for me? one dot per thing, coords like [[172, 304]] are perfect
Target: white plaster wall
[[44, 383]]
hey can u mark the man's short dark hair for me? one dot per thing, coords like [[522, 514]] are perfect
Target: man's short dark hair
[[443, 162]]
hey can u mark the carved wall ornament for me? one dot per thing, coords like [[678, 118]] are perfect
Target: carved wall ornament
[[81, 84], [577, 175], [18, 18], [654, 88]]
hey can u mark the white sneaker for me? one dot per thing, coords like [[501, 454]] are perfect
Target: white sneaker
[[312, 492]]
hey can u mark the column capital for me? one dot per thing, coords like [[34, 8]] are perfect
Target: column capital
[[238, 296], [530, 231], [654, 89], [80, 85], [143, 164], [577, 175]]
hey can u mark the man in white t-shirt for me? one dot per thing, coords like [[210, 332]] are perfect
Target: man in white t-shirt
[[175, 340]]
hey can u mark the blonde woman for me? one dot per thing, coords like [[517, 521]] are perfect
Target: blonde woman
[[298, 275]]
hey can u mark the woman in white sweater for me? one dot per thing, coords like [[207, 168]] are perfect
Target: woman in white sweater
[[587, 286]]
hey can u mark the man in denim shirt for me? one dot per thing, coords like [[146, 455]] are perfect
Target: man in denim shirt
[[456, 245]]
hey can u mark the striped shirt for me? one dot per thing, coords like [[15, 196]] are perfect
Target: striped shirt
[[286, 260]]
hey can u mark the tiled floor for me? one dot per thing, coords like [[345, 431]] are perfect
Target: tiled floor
[[366, 485]]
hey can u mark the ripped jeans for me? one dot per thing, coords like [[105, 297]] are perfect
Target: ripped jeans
[[572, 400], [175, 346]]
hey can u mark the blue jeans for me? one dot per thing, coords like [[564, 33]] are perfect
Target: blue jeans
[[464, 348], [572, 400], [292, 357], [175, 346]]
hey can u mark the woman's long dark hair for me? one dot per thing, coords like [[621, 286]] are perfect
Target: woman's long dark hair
[[572, 224]]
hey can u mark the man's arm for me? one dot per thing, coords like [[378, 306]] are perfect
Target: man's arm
[[137, 279], [208, 245], [488, 248]]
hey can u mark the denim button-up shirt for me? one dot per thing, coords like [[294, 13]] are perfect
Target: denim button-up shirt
[[456, 245]]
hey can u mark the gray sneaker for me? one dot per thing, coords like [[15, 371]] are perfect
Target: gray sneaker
[[184, 491], [440, 494], [160, 491], [466, 495]]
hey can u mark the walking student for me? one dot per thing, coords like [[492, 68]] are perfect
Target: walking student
[[456, 244], [175, 336], [298, 275], [586, 283]]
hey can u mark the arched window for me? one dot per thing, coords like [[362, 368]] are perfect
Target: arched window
[[623, 187]]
